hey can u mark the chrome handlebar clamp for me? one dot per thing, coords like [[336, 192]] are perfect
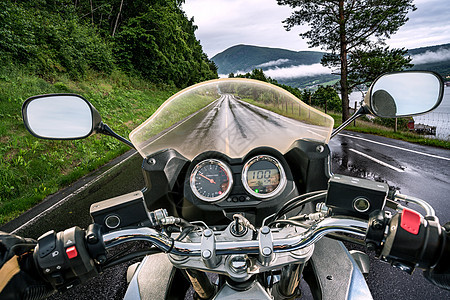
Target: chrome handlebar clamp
[[265, 238], [208, 249]]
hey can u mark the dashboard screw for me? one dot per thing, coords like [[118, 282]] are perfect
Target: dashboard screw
[[265, 230], [206, 254], [266, 251], [207, 233]]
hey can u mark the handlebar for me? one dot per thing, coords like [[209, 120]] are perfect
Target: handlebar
[[303, 240], [83, 252]]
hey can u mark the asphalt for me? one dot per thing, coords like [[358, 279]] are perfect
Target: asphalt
[[70, 206], [233, 127], [415, 170], [420, 171]]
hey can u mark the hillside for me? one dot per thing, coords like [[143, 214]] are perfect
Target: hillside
[[245, 58], [434, 58], [302, 68], [123, 66]]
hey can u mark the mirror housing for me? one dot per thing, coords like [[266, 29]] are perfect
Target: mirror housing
[[407, 93], [400, 94], [60, 117]]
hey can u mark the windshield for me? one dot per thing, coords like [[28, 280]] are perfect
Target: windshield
[[232, 116]]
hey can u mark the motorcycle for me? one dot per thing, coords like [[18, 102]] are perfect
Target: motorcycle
[[240, 201]]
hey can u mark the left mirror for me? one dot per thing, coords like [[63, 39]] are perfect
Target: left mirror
[[60, 116]]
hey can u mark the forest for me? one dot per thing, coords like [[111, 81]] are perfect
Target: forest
[[125, 56], [152, 39]]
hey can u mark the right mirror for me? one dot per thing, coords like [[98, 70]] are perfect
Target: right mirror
[[404, 94]]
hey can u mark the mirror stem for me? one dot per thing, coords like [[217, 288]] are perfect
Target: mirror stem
[[106, 130], [363, 110]]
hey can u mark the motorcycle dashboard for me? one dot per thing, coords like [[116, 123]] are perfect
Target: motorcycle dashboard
[[259, 179]]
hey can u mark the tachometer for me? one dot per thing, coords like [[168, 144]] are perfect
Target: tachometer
[[211, 180], [263, 176]]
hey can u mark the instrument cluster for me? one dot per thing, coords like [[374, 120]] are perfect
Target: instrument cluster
[[216, 179]]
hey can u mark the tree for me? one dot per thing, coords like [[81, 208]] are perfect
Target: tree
[[327, 98], [353, 31], [257, 74], [160, 44]]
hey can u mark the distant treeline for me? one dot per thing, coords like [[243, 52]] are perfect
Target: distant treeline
[[325, 97], [153, 39]]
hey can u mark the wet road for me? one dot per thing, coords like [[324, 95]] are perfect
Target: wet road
[[415, 170], [234, 127]]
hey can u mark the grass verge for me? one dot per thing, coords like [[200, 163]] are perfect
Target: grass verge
[[30, 168], [376, 129]]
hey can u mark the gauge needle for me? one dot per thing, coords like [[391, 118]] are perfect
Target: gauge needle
[[209, 179]]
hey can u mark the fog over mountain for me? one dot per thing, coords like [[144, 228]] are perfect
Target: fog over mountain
[[303, 68], [431, 57], [297, 71]]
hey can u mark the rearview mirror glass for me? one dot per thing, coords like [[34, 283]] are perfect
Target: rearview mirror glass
[[404, 94], [62, 116]]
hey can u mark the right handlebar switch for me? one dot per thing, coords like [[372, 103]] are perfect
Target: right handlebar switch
[[410, 240]]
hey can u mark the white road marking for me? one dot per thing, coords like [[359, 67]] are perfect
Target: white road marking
[[396, 147], [68, 197], [377, 161], [227, 140]]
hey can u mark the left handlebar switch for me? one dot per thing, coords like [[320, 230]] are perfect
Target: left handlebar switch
[[64, 259]]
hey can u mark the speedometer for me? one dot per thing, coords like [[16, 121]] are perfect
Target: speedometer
[[211, 180], [263, 176]]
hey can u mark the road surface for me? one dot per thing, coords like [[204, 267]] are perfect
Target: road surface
[[234, 127], [415, 170]]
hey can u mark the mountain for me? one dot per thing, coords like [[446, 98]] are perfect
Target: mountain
[[433, 58], [302, 68], [246, 58]]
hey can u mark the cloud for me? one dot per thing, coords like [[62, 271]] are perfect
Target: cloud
[[431, 57], [224, 23], [273, 63], [297, 71]]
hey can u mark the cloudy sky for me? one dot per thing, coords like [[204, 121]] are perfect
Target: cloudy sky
[[225, 23]]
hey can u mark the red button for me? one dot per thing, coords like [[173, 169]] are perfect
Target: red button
[[410, 221], [71, 252]]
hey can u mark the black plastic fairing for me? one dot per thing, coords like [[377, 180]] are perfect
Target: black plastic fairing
[[239, 199]]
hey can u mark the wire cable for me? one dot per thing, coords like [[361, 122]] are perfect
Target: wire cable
[[299, 201]]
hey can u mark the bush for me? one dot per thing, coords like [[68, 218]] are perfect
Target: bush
[[402, 123], [51, 43]]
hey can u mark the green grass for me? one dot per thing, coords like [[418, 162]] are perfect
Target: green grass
[[30, 168], [295, 111], [174, 111], [364, 126]]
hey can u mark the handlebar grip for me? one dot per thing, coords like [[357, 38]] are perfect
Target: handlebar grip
[[412, 241], [440, 274]]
